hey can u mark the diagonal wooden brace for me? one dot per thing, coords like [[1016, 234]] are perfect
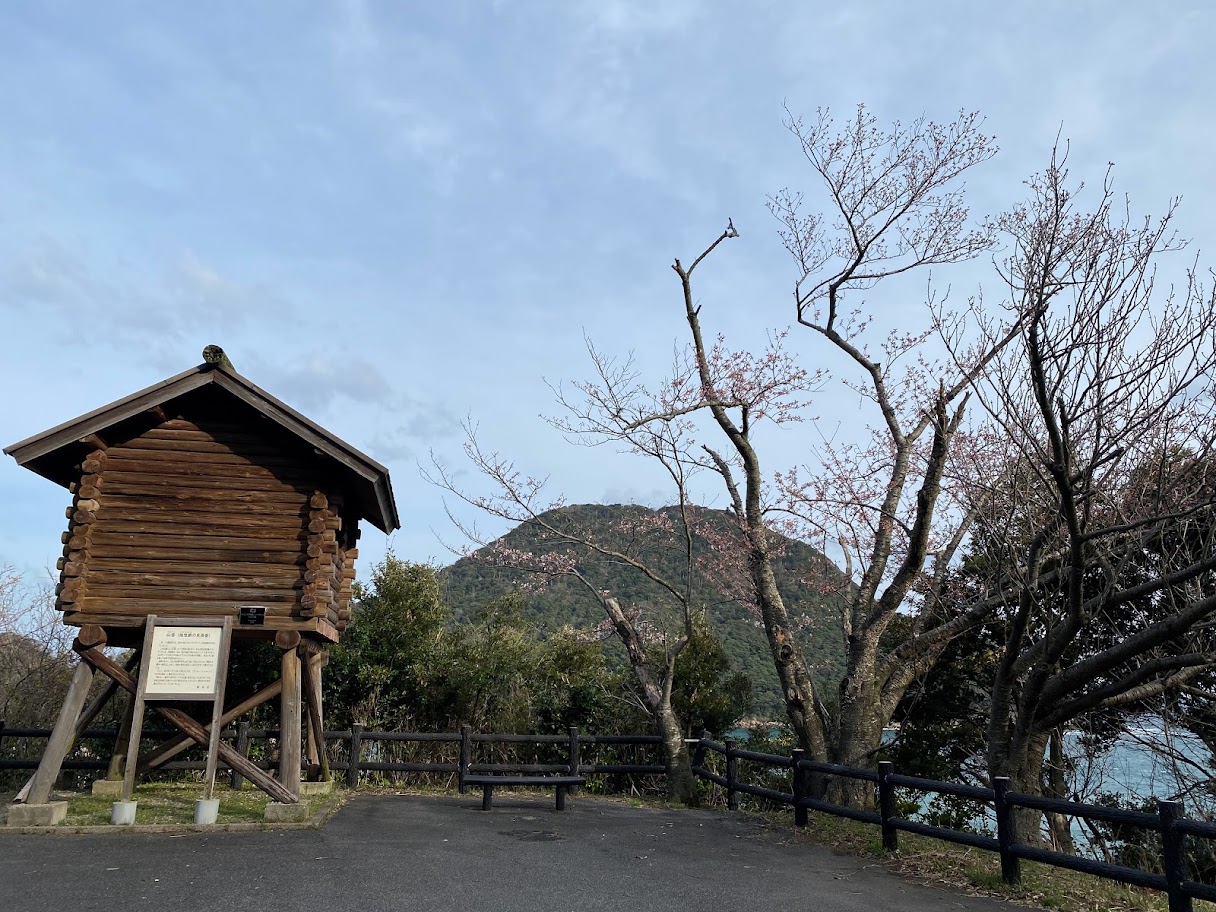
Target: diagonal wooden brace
[[171, 749], [313, 706], [186, 725]]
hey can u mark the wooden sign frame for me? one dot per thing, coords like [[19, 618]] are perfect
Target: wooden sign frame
[[215, 696]]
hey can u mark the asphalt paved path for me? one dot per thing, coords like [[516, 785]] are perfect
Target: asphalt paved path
[[386, 853]]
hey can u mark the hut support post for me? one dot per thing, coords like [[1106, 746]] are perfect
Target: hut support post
[[62, 736], [118, 759], [84, 721], [311, 666], [290, 719]]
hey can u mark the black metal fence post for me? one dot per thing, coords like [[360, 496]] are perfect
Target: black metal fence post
[[1173, 855], [235, 779], [466, 754], [798, 786], [732, 763], [1006, 831], [886, 805], [354, 756], [575, 760]]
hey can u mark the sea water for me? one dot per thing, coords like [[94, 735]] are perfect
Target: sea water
[[1148, 762]]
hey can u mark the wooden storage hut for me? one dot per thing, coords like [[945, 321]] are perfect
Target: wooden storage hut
[[206, 497], [202, 494]]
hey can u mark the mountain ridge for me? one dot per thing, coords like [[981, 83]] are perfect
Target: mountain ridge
[[809, 583]]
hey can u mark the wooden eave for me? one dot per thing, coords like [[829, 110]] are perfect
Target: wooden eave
[[369, 478]]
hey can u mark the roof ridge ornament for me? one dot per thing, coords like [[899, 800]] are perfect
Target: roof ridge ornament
[[214, 355]]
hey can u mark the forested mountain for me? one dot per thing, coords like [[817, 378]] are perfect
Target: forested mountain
[[807, 579]]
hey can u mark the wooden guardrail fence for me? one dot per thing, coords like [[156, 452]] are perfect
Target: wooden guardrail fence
[[358, 742], [803, 776], [1173, 828]]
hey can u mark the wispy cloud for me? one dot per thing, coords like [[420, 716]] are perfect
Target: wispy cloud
[[347, 387], [316, 380], [629, 21], [128, 307], [413, 88]]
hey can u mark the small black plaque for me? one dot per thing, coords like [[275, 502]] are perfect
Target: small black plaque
[[252, 615]]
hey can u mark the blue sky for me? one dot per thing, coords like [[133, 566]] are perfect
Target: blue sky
[[398, 215]]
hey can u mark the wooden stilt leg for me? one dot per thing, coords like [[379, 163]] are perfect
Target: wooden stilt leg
[[118, 759], [86, 719], [312, 756], [289, 722], [61, 737], [310, 666]]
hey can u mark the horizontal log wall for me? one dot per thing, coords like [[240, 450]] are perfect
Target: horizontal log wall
[[190, 521]]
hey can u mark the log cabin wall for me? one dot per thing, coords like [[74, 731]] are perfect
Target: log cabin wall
[[195, 519], [330, 568]]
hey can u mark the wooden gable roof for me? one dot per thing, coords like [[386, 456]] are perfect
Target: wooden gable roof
[[54, 453]]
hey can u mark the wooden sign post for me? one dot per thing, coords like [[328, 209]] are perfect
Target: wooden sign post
[[183, 659]]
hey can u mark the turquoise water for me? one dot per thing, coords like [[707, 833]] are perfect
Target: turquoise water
[[1131, 768]]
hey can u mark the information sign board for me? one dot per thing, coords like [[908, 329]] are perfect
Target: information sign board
[[182, 659], [184, 663]]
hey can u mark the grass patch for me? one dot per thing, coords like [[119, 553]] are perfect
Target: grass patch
[[169, 802]]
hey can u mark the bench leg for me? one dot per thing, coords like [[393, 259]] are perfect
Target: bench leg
[[487, 796], [561, 797]]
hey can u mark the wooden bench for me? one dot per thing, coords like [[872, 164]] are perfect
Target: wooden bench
[[487, 783]]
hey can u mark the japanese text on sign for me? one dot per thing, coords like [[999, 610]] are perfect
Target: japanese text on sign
[[183, 662]]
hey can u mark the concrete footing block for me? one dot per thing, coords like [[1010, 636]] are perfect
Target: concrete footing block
[[23, 815], [315, 789], [288, 813], [122, 813], [206, 811], [108, 788]]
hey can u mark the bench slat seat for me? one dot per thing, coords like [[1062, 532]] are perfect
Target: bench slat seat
[[524, 780], [487, 783]]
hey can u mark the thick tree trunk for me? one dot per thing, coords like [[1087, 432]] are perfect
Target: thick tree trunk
[[681, 785], [656, 697], [858, 733], [796, 685], [1021, 759]]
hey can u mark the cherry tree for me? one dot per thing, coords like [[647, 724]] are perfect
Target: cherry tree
[[887, 504], [1088, 446], [887, 501], [1100, 523], [617, 407]]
